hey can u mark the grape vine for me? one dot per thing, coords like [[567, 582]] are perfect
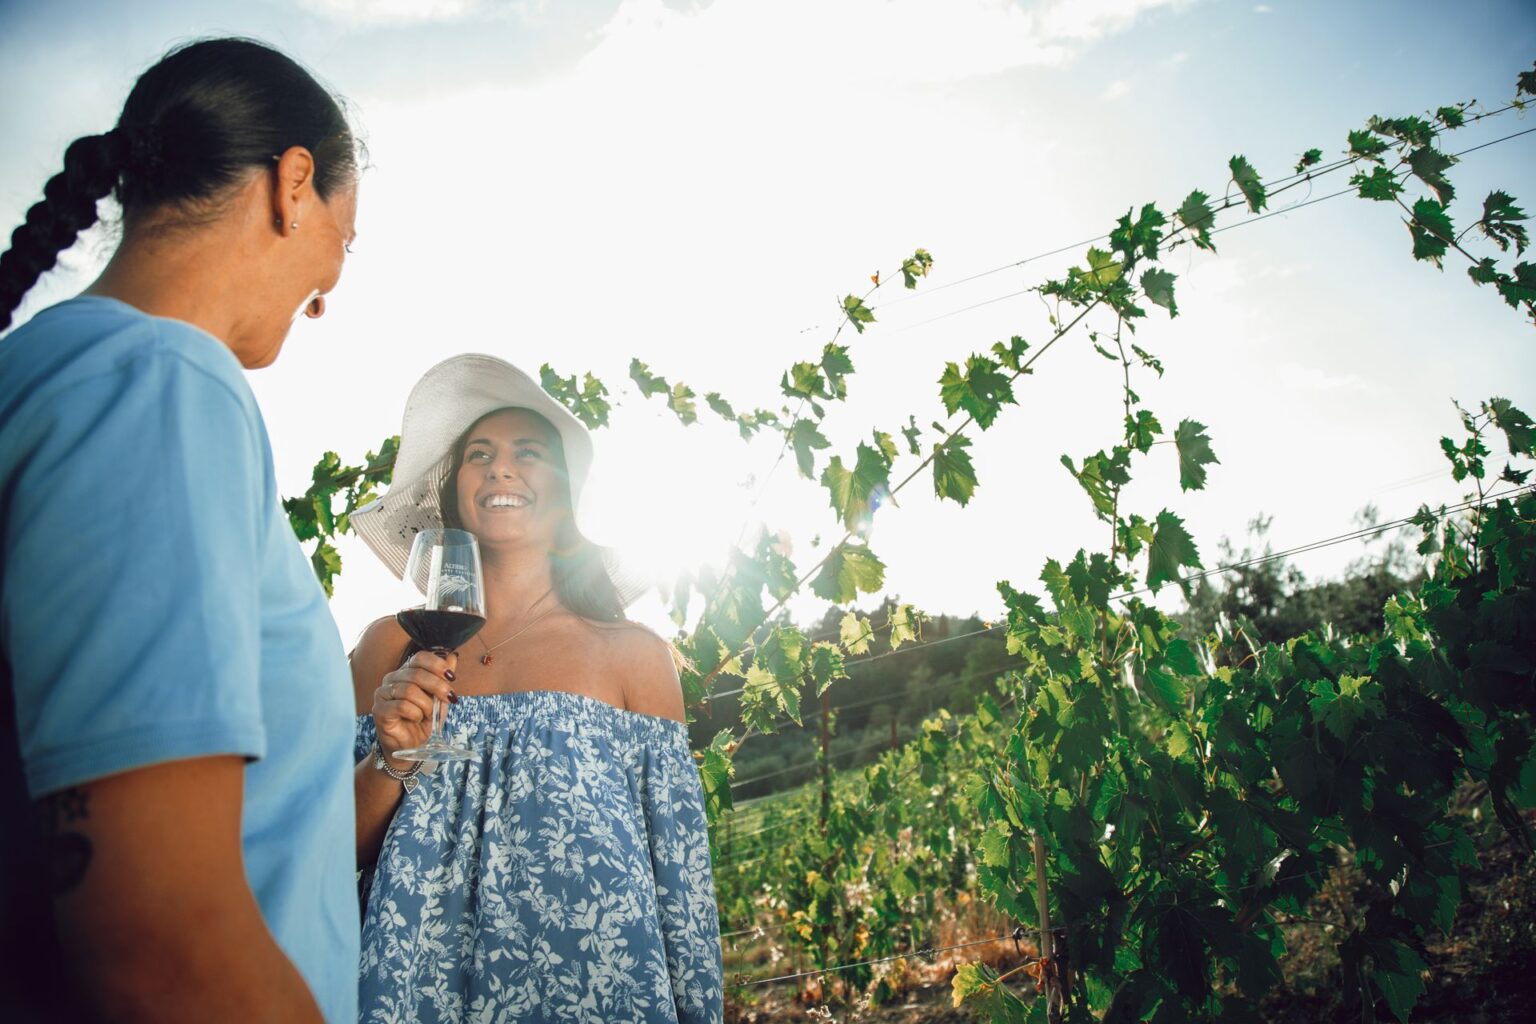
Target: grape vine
[[1149, 803]]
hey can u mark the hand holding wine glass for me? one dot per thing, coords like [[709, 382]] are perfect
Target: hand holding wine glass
[[402, 705], [445, 567]]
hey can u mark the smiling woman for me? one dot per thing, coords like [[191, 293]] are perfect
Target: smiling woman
[[569, 856]]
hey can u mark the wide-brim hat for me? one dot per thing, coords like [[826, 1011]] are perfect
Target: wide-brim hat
[[445, 403]]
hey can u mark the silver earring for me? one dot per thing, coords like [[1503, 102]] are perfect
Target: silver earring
[[294, 225]]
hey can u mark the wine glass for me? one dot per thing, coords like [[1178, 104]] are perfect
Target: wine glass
[[445, 567]]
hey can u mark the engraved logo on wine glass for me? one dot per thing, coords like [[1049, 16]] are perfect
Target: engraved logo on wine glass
[[453, 592]]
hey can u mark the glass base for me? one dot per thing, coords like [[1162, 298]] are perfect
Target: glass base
[[436, 753]]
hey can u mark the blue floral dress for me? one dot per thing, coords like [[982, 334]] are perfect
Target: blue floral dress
[[562, 876]]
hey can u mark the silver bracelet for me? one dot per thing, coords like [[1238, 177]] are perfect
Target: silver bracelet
[[406, 778]]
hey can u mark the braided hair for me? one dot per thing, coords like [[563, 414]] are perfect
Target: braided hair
[[193, 127]]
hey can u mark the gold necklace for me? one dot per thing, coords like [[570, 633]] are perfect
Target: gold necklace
[[486, 659]]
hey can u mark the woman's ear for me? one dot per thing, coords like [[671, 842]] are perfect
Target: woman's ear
[[294, 186]]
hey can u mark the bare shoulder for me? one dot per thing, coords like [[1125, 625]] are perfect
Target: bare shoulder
[[643, 663], [376, 655]]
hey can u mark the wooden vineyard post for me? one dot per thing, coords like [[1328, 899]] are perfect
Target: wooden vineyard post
[[826, 762], [1051, 990]]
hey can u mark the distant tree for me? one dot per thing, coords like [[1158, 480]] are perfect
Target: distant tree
[[1276, 598]]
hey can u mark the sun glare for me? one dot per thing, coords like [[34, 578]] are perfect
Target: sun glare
[[665, 497]]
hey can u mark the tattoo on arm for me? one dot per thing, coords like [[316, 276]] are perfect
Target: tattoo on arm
[[68, 852]]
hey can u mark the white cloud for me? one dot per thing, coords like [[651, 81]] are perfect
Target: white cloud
[[1116, 89], [376, 13], [879, 41], [1086, 20]]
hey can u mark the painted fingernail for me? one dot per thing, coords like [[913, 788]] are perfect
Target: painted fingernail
[[453, 698], [448, 675]]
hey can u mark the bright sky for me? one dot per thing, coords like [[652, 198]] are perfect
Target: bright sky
[[697, 184]]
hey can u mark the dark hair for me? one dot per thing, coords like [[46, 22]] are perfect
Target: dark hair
[[194, 123], [576, 565]]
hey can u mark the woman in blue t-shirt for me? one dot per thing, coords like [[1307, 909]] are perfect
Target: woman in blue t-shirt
[[175, 788], [563, 873]]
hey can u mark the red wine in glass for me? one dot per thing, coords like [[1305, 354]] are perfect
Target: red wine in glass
[[444, 567], [438, 630]]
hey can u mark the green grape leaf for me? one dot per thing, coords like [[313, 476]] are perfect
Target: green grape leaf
[[587, 401], [826, 666], [715, 772], [972, 981], [954, 475], [1415, 131], [302, 519], [806, 440], [1311, 158], [648, 383], [1172, 548], [1138, 240], [850, 570], [1195, 454], [1247, 179], [1339, 707], [720, 407], [1158, 285], [857, 313], [803, 380], [1451, 117], [764, 695], [326, 561], [1091, 580], [836, 365], [680, 401], [1380, 185], [1526, 83], [1100, 475], [912, 432], [855, 633], [1103, 269], [1431, 229], [981, 390], [1520, 287], [1399, 973], [994, 845], [915, 266], [1195, 213], [1141, 431], [1367, 145], [1500, 222], [1148, 360], [977, 985], [1011, 354], [906, 624], [1518, 429], [1182, 951], [856, 493], [1429, 166]]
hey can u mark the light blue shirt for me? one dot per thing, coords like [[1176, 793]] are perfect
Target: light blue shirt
[[155, 605]]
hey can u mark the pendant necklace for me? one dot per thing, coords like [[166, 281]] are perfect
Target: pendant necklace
[[486, 658]]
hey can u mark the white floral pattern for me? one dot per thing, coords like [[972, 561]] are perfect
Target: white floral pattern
[[563, 876]]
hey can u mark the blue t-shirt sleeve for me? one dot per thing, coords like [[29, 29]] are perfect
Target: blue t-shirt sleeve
[[131, 591]]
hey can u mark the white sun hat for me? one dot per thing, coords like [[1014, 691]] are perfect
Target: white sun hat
[[445, 403]]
